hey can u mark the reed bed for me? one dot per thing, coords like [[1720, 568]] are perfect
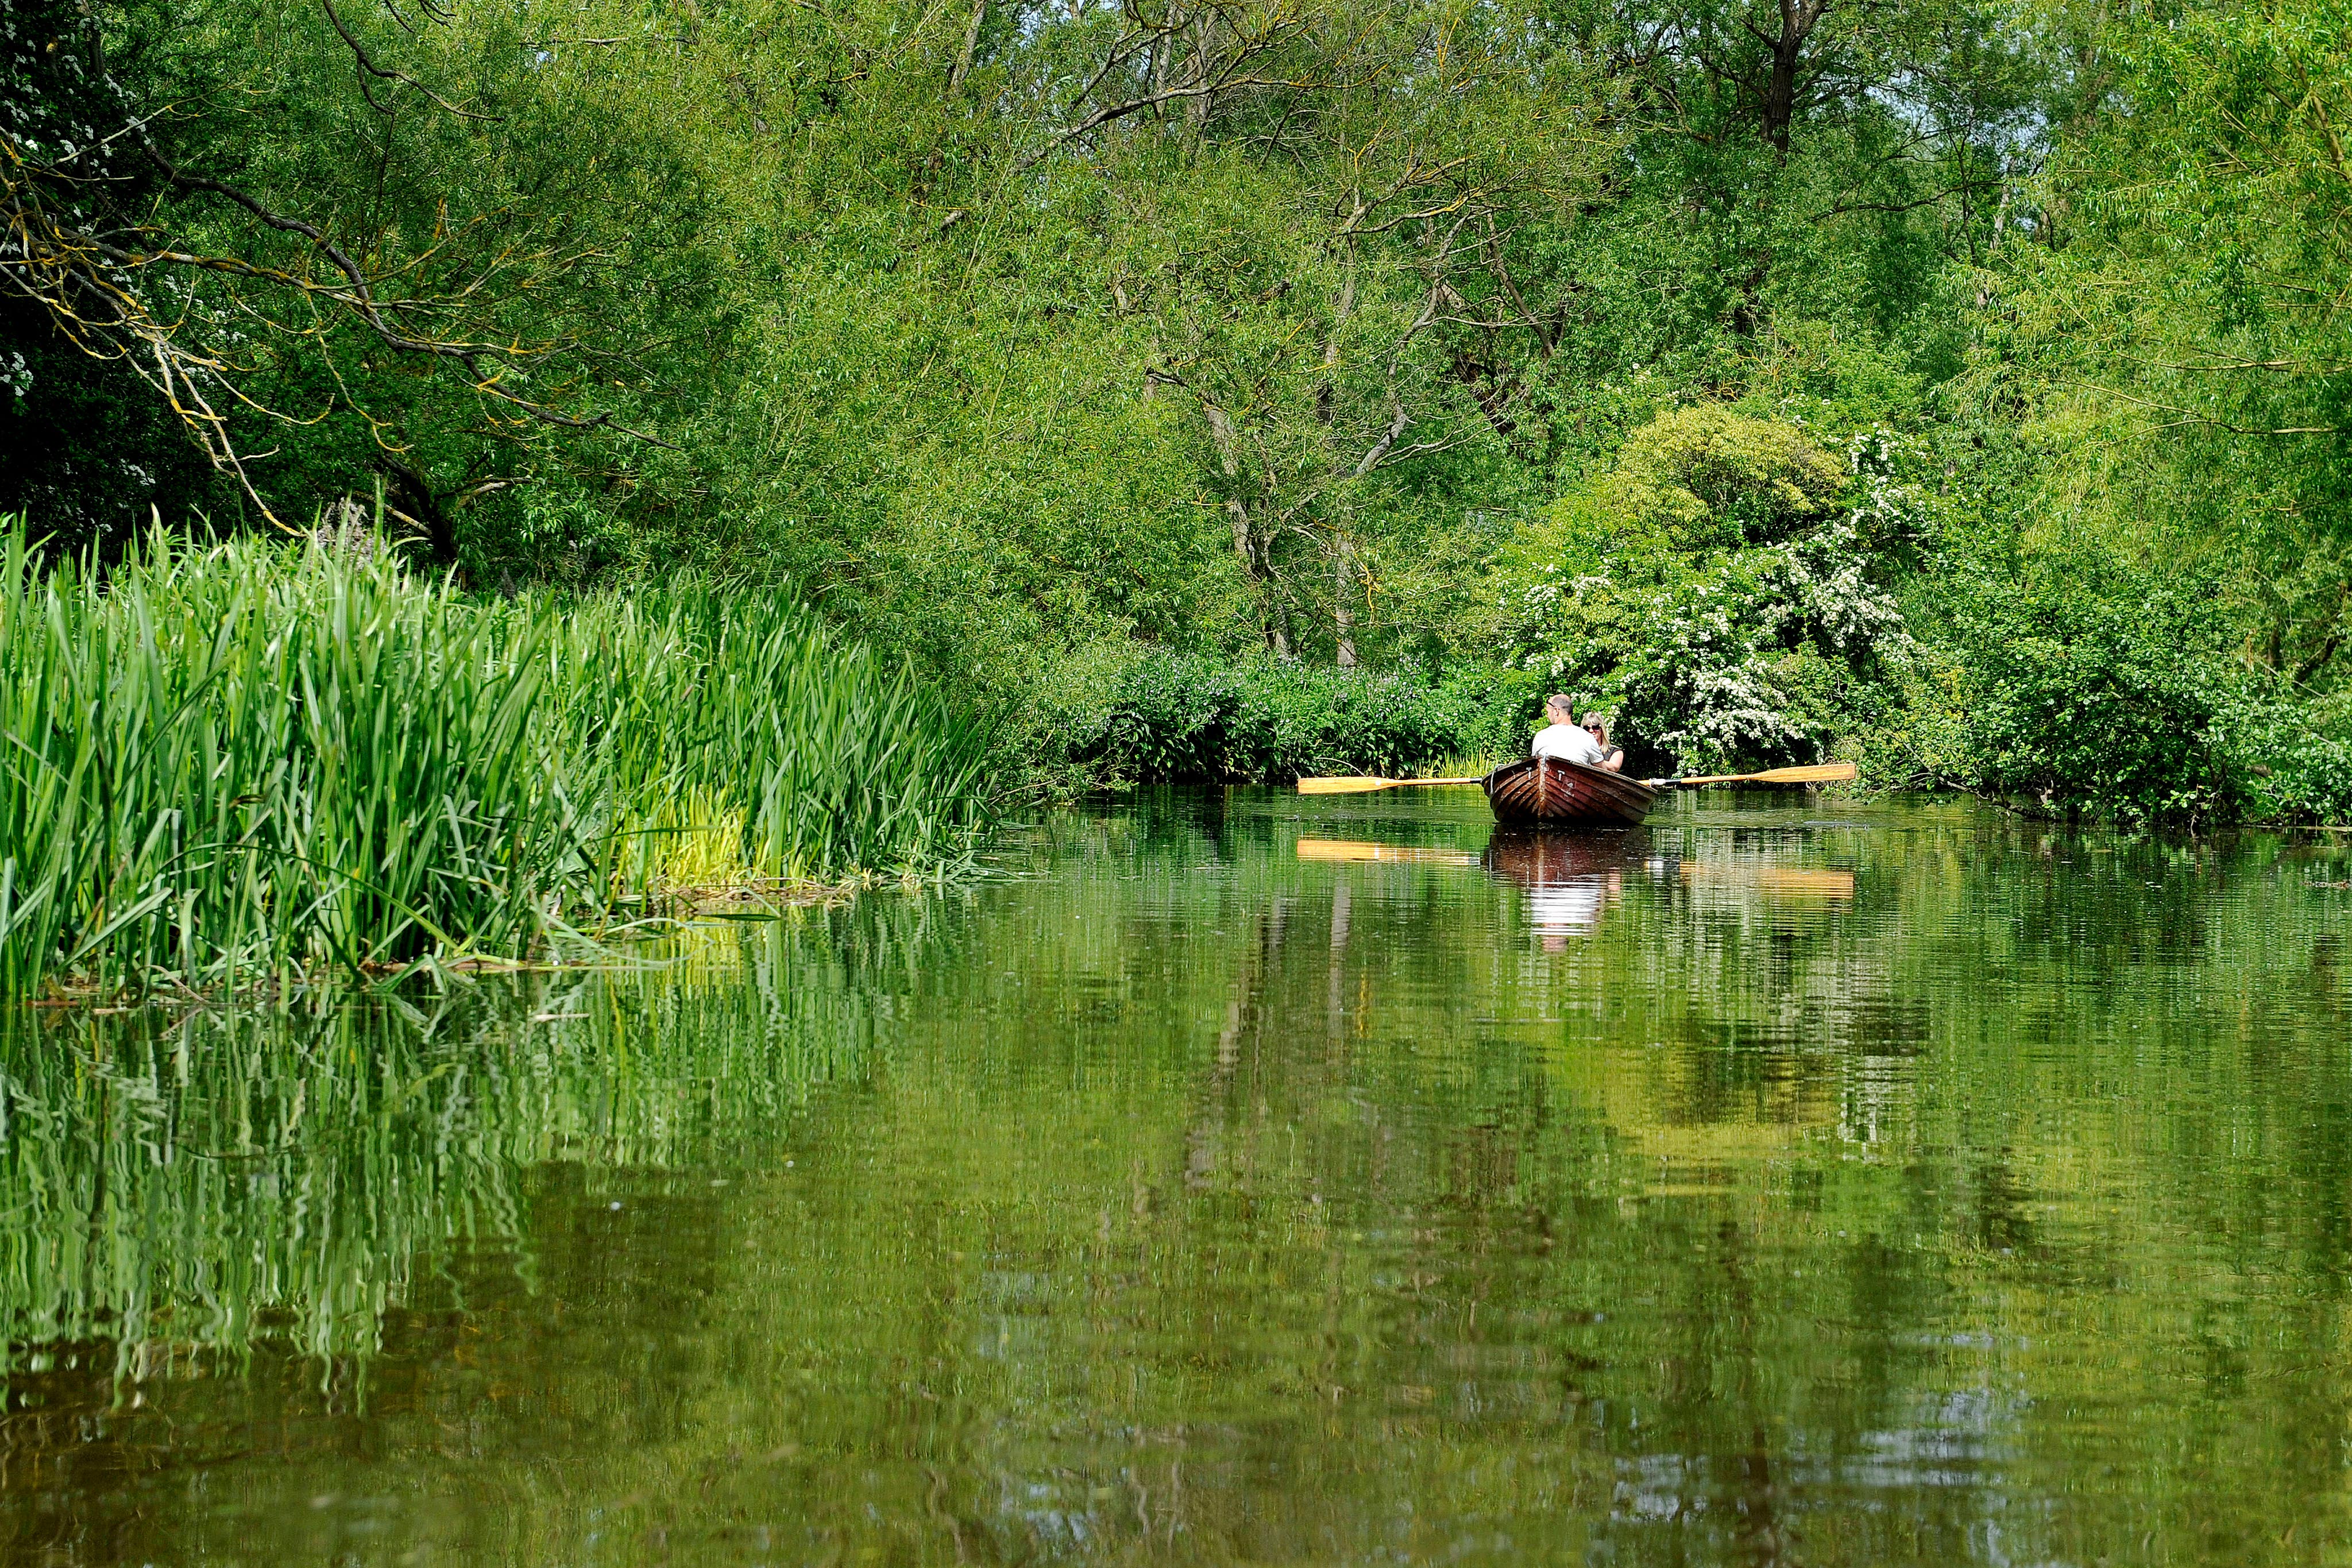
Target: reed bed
[[238, 760]]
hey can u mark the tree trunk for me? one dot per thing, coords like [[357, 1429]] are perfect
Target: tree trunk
[[1343, 603], [1778, 108], [970, 42], [1196, 74], [1343, 598], [1780, 96], [411, 497], [1229, 460], [1162, 46], [1274, 617]]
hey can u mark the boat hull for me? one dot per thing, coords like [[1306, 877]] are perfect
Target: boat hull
[[1545, 792]]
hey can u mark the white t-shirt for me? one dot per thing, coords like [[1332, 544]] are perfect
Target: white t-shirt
[[1569, 743]]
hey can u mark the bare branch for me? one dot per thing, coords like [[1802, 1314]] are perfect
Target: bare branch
[[1230, 74], [2189, 416], [368, 68], [1372, 460]]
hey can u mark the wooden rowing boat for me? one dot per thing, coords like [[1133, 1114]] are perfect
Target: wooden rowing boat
[[1813, 773], [1545, 792]]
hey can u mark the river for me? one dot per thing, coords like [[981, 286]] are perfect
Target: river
[[1239, 1178]]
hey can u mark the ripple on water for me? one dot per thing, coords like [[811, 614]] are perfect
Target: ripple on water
[[1239, 1177]]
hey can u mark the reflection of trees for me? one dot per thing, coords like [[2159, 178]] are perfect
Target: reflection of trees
[[1194, 1203], [1754, 1046]]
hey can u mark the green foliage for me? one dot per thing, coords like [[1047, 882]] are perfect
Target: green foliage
[[2073, 694], [351, 246], [1707, 477], [1280, 361], [217, 758], [2173, 347], [1583, 338], [1704, 595], [1168, 718], [2296, 755], [2077, 683], [692, 722], [233, 761]]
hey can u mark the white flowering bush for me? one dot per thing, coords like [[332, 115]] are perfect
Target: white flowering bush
[[1746, 621]]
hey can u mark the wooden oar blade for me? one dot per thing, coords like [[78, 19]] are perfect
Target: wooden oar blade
[[1813, 773], [1819, 773], [1359, 785]]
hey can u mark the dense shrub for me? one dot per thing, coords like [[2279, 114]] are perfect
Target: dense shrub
[[2079, 691], [1174, 718], [2295, 755]]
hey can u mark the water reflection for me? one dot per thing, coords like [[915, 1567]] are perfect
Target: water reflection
[[181, 1185], [1343, 851], [1922, 1187], [1570, 878]]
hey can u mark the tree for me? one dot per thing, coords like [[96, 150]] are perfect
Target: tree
[[2181, 332], [1716, 591], [284, 229], [1329, 287]]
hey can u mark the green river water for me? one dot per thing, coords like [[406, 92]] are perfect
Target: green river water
[[1240, 1178]]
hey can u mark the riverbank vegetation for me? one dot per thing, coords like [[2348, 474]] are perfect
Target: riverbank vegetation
[[236, 763], [1221, 388]]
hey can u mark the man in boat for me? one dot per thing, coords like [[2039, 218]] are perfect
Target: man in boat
[[1562, 738]]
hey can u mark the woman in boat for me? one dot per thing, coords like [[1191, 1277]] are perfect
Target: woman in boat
[[1611, 757]]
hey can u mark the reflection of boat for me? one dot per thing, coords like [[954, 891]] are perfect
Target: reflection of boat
[[1570, 879], [1545, 792], [1541, 859]]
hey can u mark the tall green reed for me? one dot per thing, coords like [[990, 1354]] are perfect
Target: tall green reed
[[240, 760], [691, 713]]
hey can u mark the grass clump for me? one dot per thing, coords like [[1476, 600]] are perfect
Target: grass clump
[[238, 760], [724, 736]]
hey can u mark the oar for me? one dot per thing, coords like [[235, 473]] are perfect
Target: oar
[[1820, 772], [1364, 785]]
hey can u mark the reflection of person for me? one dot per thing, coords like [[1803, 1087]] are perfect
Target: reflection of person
[[1571, 878], [1562, 739], [1571, 906], [1611, 757]]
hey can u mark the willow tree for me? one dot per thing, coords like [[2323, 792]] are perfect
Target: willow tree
[[344, 248], [2180, 330], [1320, 243]]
